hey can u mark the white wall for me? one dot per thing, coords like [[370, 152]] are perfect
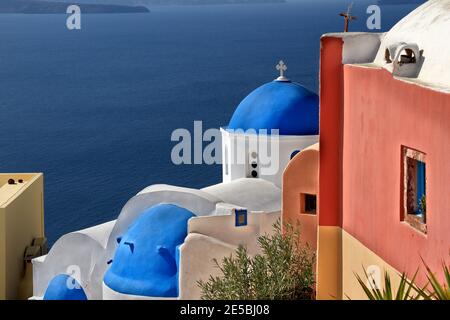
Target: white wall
[[252, 194], [237, 149], [81, 250], [215, 237]]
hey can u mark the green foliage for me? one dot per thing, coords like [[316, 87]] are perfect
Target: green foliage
[[438, 291], [283, 271], [406, 290], [423, 205]]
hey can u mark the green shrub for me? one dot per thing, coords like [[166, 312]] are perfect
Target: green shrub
[[283, 271]]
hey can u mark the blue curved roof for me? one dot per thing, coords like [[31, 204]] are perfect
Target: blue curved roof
[[145, 261], [283, 105], [64, 287]]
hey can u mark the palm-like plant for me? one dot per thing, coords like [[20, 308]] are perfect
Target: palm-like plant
[[406, 290], [439, 291]]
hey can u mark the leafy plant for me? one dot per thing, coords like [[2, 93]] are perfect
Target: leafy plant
[[283, 271], [406, 290], [423, 205], [439, 291]]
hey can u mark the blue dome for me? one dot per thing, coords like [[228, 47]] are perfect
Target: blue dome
[[64, 287], [283, 105], [146, 261]]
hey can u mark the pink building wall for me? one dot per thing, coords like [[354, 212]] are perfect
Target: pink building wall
[[380, 115]]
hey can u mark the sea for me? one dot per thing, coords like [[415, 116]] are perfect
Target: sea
[[94, 109]]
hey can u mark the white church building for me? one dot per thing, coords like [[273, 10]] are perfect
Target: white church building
[[165, 237]]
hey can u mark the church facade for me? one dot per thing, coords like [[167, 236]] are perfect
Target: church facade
[[166, 237]]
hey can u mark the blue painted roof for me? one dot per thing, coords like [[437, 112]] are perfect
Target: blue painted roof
[[283, 105], [64, 287], [145, 261]]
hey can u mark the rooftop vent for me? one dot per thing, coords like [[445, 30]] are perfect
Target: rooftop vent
[[404, 59]]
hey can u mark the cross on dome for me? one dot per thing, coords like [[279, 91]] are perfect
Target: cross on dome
[[281, 66]]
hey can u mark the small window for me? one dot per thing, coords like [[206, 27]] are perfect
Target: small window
[[308, 203], [240, 217], [414, 189]]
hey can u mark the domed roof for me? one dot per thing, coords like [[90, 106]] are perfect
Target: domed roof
[[283, 105], [64, 287], [425, 27], [145, 262]]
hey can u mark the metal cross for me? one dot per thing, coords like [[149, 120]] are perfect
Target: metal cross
[[282, 68]]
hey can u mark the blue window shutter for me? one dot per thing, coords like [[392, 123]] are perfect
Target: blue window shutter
[[420, 181]]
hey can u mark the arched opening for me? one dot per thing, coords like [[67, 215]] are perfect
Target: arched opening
[[407, 55], [294, 153]]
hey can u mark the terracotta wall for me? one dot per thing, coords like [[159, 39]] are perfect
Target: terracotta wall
[[331, 100], [301, 176], [329, 242]]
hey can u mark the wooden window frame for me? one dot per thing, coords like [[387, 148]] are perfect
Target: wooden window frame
[[418, 223]]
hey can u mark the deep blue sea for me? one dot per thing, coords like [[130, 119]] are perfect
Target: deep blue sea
[[94, 109]]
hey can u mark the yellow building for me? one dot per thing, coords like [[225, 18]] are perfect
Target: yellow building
[[21, 231]]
